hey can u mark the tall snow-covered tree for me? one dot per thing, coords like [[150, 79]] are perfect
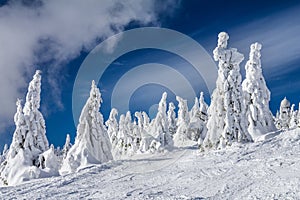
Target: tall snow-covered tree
[[34, 118], [113, 127], [159, 125], [125, 140], [182, 135], [92, 143], [203, 106], [146, 122], [145, 137], [29, 139], [67, 146], [195, 109], [171, 115], [198, 120], [284, 117], [257, 96], [21, 130], [226, 123]]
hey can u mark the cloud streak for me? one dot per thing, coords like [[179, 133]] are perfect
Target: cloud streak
[[53, 33], [279, 35]]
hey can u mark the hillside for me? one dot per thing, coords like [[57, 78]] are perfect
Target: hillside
[[264, 170]]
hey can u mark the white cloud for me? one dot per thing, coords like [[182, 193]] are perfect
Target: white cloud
[[55, 32]]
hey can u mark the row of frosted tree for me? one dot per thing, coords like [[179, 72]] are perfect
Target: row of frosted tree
[[239, 112]]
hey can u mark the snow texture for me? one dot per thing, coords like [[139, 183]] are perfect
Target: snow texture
[[264, 170]]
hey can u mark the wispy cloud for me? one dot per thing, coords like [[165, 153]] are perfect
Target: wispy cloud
[[279, 35], [55, 32]]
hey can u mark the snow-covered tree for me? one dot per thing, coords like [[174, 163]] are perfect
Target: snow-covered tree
[[136, 134], [203, 107], [171, 115], [293, 120], [284, 117], [20, 131], [128, 122], [257, 96], [92, 143], [146, 122], [145, 137], [140, 120], [195, 109], [226, 123], [198, 120], [113, 127], [182, 136], [34, 118], [67, 146], [29, 139], [125, 140], [159, 125]]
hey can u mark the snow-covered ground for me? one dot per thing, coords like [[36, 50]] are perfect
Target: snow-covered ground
[[268, 169]]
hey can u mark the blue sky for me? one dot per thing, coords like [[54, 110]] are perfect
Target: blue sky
[[56, 38]]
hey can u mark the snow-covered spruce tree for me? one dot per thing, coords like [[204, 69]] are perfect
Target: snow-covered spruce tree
[[257, 96], [125, 140], [67, 146], [284, 117], [195, 109], [146, 122], [198, 120], [136, 134], [171, 115], [203, 112], [139, 129], [226, 123], [159, 126], [34, 118], [197, 126], [203, 105], [92, 145], [129, 147], [113, 127], [294, 120], [29, 139], [182, 135], [145, 137], [121, 138], [21, 130]]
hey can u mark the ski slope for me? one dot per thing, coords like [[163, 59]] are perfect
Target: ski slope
[[268, 169]]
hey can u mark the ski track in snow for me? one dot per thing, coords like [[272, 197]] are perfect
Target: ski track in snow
[[265, 170]]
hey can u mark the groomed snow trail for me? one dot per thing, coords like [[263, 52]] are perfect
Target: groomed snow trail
[[263, 170]]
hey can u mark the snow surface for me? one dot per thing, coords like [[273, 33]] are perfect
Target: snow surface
[[268, 169]]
